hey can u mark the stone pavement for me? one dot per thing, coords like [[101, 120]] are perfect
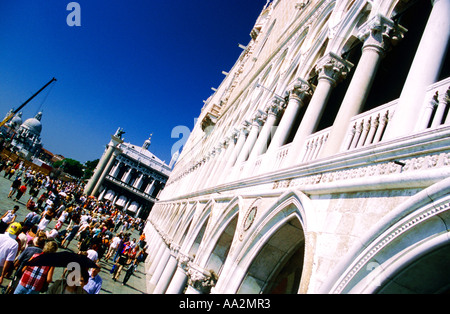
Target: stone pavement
[[135, 285]]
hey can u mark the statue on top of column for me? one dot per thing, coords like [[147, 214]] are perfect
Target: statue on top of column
[[119, 133]]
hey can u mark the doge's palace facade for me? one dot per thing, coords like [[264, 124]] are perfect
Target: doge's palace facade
[[321, 164]]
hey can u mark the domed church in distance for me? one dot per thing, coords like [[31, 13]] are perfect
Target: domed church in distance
[[27, 138]]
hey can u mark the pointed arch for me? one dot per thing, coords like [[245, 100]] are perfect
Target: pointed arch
[[415, 234], [279, 232], [215, 248], [197, 228]]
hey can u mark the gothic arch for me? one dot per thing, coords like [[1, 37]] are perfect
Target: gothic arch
[[414, 236], [197, 228], [344, 35], [178, 219], [219, 231], [185, 223], [294, 57], [173, 217], [277, 236]]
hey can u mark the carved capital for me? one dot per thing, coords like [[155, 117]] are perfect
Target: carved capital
[[380, 33], [259, 118], [300, 90], [275, 106], [333, 68], [174, 248], [201, 280], [183, 261], [245, 127]]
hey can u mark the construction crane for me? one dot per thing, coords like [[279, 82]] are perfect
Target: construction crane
[[12, 114]]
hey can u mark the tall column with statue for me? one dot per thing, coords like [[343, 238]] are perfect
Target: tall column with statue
[[116, 139]]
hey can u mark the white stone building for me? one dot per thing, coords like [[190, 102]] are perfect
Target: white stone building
[[129, 176], [26, 140], [321, 162]]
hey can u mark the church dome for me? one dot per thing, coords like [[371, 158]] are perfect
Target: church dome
[[34, 125], [16, 121]]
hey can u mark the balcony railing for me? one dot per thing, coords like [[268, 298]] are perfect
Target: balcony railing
[[365, 129], [130, 188]]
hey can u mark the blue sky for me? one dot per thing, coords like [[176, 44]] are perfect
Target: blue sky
[[145, 66]]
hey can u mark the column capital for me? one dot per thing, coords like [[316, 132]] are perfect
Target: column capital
[[299, 89], [380, 33], [183, 260], [333, 68], [259, 118], [200, 279], [274, 107], [245, 128], [234, 134], [174, 248], [224, 143]]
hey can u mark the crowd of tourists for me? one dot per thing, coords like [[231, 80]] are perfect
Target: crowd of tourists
[[58, 213]]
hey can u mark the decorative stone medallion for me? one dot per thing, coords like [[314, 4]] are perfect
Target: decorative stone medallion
[[250, 217]]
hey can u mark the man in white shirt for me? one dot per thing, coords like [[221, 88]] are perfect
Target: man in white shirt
[[92, 254], [113, 247], [8, 218], [8, 248]]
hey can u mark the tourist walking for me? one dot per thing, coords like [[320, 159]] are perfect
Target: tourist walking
[[72, 233], [31, 220], [8, 248], [35, 279], [113, 247], [94, 284], [47, 216], [15, 187], [22, 189], [63, 286], [8, 218]]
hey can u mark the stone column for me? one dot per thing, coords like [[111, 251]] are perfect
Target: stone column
[[150, 187], [249, 143], [273, 113], [203, 175], [126, 175], [299, 94], [376, 34], [230, 144], [331, 70], [443, 101], [115, 170], [236, 150], [198, 171], [427, 113], [180, 278], [138, 182], [115, 141], [168, 272], [115, 153], [158, 249], [222, 149], [424, 71], [161, 264]]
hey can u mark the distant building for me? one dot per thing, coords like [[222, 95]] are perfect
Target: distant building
[[25, 136], [129, 176]]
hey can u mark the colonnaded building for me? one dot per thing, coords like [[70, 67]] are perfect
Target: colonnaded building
[[321, 162], [128, 176]]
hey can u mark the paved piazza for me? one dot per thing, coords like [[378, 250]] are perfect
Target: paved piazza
[[135, 285]]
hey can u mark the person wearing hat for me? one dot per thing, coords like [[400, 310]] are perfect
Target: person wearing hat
[[8, 248]]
